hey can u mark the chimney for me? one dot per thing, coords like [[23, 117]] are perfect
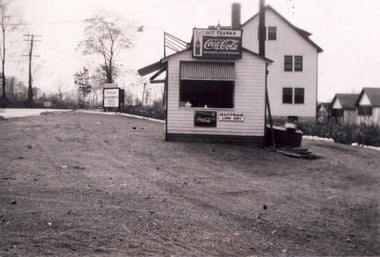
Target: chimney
[[235, 16], [262, 28]]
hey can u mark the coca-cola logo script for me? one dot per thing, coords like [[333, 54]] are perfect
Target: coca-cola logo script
[[221, 44]]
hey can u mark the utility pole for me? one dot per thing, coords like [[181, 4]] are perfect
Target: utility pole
[[262, 28], [31, 38]]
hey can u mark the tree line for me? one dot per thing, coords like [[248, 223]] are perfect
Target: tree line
[[104, 40]]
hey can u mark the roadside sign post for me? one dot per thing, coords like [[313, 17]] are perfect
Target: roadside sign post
[[111, 98]]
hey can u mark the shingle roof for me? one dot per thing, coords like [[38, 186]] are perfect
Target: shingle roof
[[326, 105], [301, 32], [373, 94], [348, 101]]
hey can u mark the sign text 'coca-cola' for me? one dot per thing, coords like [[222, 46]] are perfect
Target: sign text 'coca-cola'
[[217, 44], [221, 44]]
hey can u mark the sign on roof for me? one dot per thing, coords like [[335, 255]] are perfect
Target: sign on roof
[[223, 44]]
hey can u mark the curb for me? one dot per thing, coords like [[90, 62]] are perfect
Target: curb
[[123, 114], [38, 112]]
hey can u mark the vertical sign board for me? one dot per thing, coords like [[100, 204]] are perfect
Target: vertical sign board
[[111, 97], [223, 44]]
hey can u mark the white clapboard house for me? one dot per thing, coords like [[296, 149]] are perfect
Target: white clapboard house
[[293, 76]]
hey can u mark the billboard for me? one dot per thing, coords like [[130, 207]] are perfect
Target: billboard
[[217, 43], [110, 97]]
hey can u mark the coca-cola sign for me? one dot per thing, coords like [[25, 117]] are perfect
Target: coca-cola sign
[[221, 44], [217, 44], [205, 119]]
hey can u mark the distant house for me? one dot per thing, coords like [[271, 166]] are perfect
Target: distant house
[[368, 106], [343, 108], [323, 111]]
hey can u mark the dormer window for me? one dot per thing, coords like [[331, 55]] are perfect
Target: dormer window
[[272, 33]]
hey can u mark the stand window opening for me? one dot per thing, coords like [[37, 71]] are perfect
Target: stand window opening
[[207, 93]]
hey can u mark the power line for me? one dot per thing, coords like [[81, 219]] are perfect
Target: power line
[[65, 21]]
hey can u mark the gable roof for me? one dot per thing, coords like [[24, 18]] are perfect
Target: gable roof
[[348, 101], [301, 32], [373, 94], [324, 105]]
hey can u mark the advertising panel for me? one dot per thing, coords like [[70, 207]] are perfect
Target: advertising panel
[[217, 43], [110, 97], [205, 119], [231, 116]]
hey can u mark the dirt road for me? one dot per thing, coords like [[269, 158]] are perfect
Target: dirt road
[[75, 184]]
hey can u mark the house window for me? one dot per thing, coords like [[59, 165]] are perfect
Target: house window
[[288, 63], [210, 93], [298, 63], [299, 95], [365, 110], [337, 113], [287, 95], [272, 33]]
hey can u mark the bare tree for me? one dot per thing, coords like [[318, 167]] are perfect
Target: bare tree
[[9, 22], [82, 81], [105, 37]]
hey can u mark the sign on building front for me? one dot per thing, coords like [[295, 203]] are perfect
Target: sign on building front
[[205, 119], [217, 43], [231, 116]]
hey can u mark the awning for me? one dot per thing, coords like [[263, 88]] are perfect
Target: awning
[[151, 68], [207, 71]]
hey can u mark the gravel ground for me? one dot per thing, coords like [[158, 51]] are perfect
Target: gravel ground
[[79, 184]]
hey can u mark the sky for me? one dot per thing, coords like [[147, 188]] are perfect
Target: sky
[[347, 30]]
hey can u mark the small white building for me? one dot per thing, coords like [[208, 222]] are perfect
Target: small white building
[[343, 109], [215, 89], [368, 106], [293, 77], [216, 100]]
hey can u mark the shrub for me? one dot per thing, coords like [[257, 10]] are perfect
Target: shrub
[[155, 111], [343, 133]]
